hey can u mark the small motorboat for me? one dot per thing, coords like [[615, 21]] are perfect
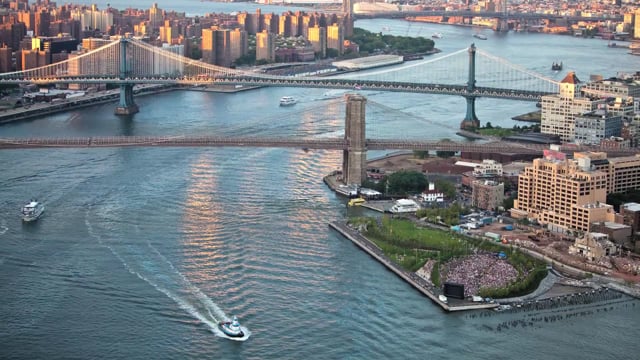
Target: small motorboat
[[231, 328], [32, 211]]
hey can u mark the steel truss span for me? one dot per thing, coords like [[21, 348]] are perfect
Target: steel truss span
[[495, 77], [321, 144]]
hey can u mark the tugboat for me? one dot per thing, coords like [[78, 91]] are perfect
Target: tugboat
[[556, 66], [231, 328]]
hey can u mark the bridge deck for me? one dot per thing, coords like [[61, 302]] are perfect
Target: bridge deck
[[324, 143]]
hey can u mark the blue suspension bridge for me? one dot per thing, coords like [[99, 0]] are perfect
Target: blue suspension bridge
[[127, 62]]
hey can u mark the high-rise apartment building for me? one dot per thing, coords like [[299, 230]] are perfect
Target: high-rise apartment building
[[563, 194], [5, 59], [335, 38], [271, 23], [265, 46], [559, 111], [93, 19], [239, 43], [42, 22], [216, 46], [307, 21], [318, 39], [169, 64], [28, 18], [169, 31], [12, 33], [624, 174], [32, 59], [284, 28], [156, 17]]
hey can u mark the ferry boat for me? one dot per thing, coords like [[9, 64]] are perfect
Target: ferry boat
[[436, 35], [404, 206], [556, 66], [32, 211], [231, 328], [287, 100], [480, 36]]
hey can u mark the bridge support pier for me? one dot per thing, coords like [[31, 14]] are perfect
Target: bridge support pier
[[471, 121], [126, 106], [354, 159]]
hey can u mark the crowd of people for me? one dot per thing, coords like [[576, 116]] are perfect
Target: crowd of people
[[479, 271]]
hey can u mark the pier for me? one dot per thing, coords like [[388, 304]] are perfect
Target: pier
[[411, 278]]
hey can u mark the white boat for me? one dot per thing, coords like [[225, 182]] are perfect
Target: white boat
[[287, 100], [404, 206], [480, 36], [32, 211], [436, 35], [231, 328], [443, 299]]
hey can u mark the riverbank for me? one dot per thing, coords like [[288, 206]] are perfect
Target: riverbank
[[91, 99], [564, 280], [534, 117]]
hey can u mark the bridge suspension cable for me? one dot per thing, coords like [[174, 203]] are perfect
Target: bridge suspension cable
[[446, 74], [421, 63], [95, 62], [490, 69]]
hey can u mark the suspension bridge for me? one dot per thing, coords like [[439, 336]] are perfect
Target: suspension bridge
[[470, 73], [128, 62]]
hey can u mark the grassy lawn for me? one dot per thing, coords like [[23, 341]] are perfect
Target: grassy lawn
[[411, 246], [497, 131]]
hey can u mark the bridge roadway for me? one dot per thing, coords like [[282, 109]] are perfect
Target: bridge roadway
[[484, 14], [286, 81], [318, 143]]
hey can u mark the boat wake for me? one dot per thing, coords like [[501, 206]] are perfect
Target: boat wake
[[148, 264]]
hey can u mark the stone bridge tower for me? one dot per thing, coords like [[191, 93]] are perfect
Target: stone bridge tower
[[354, 158]]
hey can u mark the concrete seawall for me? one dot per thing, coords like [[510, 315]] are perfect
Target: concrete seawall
[[411, 278]]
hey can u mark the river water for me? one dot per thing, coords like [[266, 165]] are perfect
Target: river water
[[142, 250]]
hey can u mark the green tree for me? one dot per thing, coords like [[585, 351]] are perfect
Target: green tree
[[507, 203], [332, 53], [445, 154], [421, 154], [406, 182], [447, 187]]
